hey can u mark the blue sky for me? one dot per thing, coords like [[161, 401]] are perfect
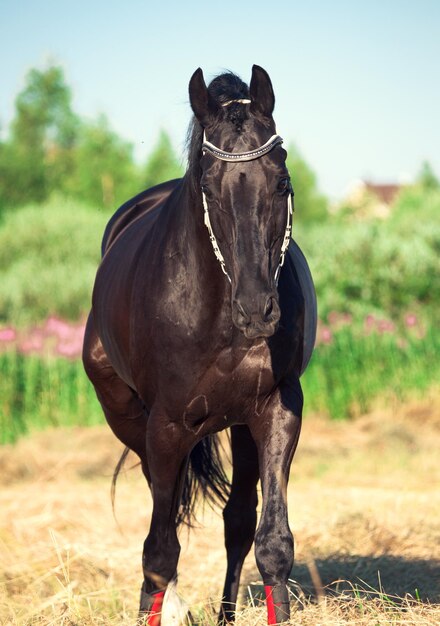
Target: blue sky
[[357, 83]]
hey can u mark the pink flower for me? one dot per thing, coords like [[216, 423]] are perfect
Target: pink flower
[[55, 336], [333, 318], [386, 326], [338, 320], [70, 350], [369, 323], [326, 335], [33, 343], [411, 320], [8, 334], [57, 327]]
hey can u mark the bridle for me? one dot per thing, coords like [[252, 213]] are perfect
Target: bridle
[[233, 157]]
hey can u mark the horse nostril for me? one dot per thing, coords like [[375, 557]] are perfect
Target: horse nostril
[[241, 312], [269, 307]]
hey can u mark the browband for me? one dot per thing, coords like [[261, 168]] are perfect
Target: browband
[[207, 146], [239, 101]]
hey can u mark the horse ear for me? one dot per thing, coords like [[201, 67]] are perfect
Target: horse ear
[[204, 106], [261, 92]]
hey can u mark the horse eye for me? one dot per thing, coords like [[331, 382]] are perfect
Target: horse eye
[[283, 185]]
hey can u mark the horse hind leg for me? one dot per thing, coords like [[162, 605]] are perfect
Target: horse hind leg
[[128, 419], [240, 516], [122, 407]]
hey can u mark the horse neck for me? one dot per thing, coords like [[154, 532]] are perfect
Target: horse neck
[[192, 238]]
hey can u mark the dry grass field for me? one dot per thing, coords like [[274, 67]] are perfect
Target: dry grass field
[[364, 507]]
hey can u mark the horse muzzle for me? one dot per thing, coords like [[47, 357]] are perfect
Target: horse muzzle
[[258, 319]]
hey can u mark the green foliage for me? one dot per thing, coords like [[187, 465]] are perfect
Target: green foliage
[[49, 255], [162, 164], [415, 205], [43, 111], [38, 156], [104, 173], [310, 205], [50, 149], [427, 178], [48, 260], [37, 393], [21, 177], [383, 267], [346, 376]]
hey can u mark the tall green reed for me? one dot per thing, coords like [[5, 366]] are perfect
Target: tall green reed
[[349, 371], [36, 393], [347, 375]]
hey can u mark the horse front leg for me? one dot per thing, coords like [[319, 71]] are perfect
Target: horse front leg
[[276, 431], [240, 515], [167, 453]]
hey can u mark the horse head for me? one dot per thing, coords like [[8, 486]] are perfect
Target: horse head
[[246, 192]]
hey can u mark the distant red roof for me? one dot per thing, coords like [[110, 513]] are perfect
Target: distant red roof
[[385, 193]]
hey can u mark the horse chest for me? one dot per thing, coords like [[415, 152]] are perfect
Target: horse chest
[[233, 387]]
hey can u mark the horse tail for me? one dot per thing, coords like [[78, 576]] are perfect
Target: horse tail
[[204, 478], [118, 468]]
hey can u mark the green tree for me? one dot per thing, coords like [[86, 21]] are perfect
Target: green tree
[[310, 204], [50, 149], [427, 178], [162, 163], [22, 174], [37, 157], [104, 172], [43, 111]]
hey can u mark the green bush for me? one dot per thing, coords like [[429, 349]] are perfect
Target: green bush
[[48, 259], [310, 204], [382, 267], [49, 255]]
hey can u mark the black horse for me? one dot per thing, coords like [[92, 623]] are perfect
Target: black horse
[[203, 319]]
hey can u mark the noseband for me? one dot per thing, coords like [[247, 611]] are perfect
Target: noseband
[[233, 157]]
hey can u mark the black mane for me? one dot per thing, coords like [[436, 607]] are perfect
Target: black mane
[[222, 88]]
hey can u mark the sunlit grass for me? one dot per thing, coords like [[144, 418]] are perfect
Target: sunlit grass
[[366, 542]]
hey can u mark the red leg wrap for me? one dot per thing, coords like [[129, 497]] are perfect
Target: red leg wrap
[[271, 616], [153, 618], [277, 602]]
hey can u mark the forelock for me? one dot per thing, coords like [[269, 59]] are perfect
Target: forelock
[[227, 87]]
